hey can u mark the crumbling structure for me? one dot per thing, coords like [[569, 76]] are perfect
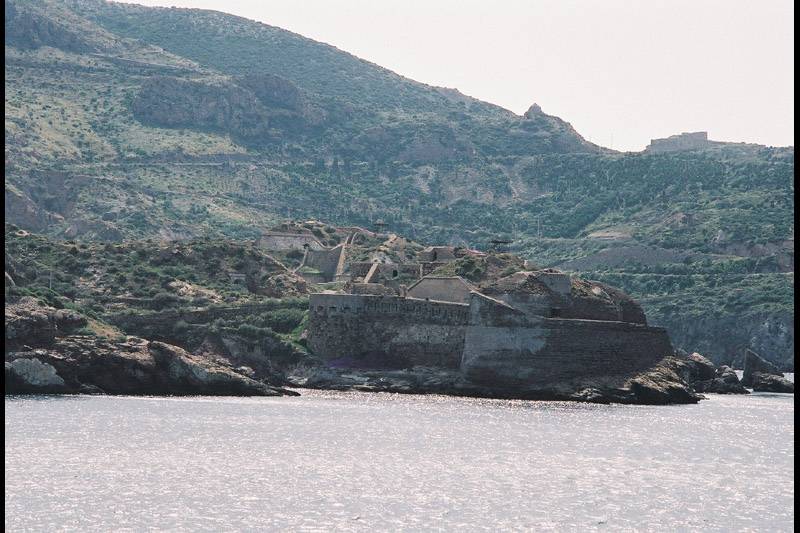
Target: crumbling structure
[[685, 141], [527, 328]]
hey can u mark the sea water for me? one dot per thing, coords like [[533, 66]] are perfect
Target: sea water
[[331, 461]]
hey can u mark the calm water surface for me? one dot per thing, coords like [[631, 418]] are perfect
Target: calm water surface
[[366, 462]]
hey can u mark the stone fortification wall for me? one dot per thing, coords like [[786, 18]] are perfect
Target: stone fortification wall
[[325, 261], [278, 241], [558, 282], [684, 141], [359, 269], [542, 304], [503, 348], [399, 332], [490, 341], [445, 289], [552, 350], [376, 289]]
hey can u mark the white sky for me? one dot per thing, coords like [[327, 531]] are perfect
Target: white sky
[[621, 71]]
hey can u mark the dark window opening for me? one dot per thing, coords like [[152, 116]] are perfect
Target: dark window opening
[[555, 312]]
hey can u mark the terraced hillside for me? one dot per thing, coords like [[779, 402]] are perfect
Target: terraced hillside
[[125, 122]]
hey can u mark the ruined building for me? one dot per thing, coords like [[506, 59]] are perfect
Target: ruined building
[[526, 328], [685, 141]]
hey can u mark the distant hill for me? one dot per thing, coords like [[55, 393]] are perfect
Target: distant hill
[[129, 122]]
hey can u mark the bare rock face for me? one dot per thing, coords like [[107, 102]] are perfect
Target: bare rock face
[[134, 366], [27, 29], [753, 363], [702, 369], [176, 103], [32, 375], [725, 381], [771, 383], [290, 108], [28, 321]]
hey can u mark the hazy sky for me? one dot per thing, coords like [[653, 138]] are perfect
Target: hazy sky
[[621, 71]]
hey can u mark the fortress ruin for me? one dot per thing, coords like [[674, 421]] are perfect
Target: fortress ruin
[[535, 327], [685, 141]]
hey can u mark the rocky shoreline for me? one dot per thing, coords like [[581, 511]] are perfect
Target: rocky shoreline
[[45, 354]]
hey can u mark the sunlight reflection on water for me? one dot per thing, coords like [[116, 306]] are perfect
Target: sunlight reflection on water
[[358, 462]]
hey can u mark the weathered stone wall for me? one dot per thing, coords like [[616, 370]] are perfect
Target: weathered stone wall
[[277, 241], [503, 346], [684, 141], [451, 289], [443, 254], [558, 282], [325, 261], [490, 341], [531, 304], [553, 350], [397, 331]]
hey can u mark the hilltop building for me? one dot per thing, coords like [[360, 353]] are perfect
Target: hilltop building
[[685, 141]]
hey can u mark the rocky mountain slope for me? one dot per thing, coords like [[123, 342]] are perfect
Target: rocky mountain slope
[[130, 122]]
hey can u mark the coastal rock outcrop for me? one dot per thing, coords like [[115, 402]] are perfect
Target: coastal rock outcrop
[[43, 354], [725, 381], [32, 375], [754, 363], [703, 376], [659, 385], [134, 366], [763, 376], [771, 383]]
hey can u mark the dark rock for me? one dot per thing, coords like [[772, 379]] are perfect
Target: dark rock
[[771, 383], [702, 368], [753, 363], [82, 364], [725, 381], [727, 374], [177, 103], [28, 321], [660, 385]]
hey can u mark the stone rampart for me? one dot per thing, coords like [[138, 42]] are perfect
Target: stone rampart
[[491, 342], [325, 261], [395, 330], [280, 241], [503, 348]]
